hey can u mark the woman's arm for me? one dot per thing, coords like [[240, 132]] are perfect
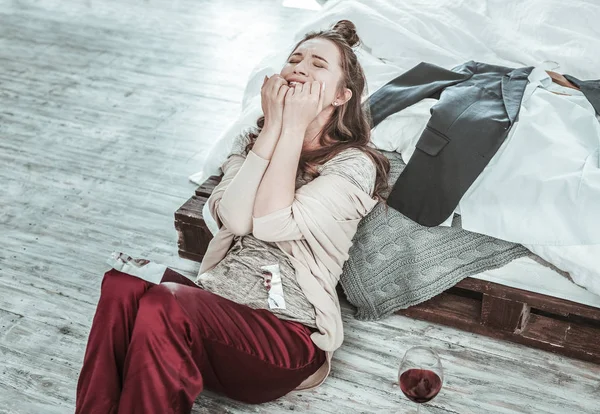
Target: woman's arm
[[278, 186], [341, 194], [233, 199], [237, 191]]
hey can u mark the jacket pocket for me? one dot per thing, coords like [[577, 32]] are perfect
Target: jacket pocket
[[432, 141]]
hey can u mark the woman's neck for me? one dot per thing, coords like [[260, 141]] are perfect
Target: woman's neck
[[315, 130], [311, 139]]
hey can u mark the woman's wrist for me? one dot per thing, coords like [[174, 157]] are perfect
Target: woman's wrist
[[272, 124], [267, 141], [293, 129], [292, 137]]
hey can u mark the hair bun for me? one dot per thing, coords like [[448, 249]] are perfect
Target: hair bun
[[347, 30]]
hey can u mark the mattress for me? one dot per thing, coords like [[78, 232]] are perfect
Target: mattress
[[527, 274]]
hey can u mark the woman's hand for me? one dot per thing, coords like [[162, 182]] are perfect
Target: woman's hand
[[302, 104], [272, 95]]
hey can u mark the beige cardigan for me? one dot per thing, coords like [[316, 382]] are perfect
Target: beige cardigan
[[315, 232]]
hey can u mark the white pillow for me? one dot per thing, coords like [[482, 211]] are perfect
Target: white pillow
[[400, 131], [216, 156]]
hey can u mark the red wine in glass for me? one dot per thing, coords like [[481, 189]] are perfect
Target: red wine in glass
[[420, 385], [420, 375]]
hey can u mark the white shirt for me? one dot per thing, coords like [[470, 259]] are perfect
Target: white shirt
[[543, 185]]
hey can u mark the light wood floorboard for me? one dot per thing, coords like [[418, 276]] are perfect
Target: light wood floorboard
[[105, 108]]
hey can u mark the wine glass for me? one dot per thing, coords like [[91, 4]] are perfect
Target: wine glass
[[420, 375]]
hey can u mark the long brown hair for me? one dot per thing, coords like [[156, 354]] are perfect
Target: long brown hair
[[349, 125]]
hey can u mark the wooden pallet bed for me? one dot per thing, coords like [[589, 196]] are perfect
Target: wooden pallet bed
[[532, 319]]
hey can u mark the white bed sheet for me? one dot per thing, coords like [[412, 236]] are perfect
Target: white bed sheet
[[527, 274], [450, 32]]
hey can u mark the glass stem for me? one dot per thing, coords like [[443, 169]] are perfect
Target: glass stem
[[418, 408]]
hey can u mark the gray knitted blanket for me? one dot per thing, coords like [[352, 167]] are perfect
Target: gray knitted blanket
[[396, 263]]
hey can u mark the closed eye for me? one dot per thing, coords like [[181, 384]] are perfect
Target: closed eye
[[315, 64]]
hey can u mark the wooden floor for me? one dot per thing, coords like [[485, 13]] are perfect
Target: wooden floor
[[105, 106]]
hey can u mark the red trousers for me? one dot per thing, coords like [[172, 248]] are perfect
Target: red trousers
[[153, 349]]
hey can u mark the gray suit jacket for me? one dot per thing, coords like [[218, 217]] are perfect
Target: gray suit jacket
[[478, 103]]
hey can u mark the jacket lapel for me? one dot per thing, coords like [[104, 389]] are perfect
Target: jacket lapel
[[513, 87], [590, 88]]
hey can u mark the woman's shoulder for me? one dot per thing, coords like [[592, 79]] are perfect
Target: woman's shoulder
[[351, 152], [350, 157], [356, 166]]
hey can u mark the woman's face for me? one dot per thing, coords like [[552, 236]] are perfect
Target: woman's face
[[316, 60]]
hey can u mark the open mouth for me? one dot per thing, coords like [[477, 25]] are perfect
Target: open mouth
[[293, 83]]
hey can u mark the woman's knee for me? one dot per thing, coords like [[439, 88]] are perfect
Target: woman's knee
[[119, 287], [158, 308]]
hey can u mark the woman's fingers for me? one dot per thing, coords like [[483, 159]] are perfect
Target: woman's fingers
[[277, 81], [289, 94], [262, 88], [283, 90], [274, 88], [315, 91], [280, 87], [298, 88], [321, 92], [269, 81]]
